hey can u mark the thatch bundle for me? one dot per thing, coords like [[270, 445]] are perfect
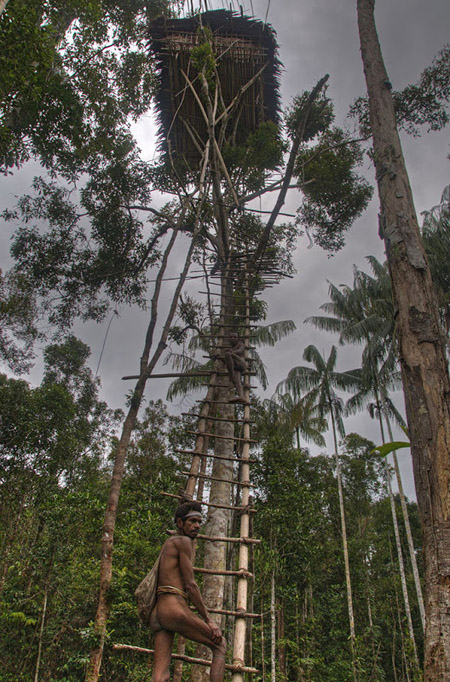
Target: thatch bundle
[[242, 47]]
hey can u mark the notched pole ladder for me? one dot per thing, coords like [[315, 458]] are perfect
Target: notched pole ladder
[[230, 312]]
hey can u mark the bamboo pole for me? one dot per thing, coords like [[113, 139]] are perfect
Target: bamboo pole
[[180, 657], [244, 531]]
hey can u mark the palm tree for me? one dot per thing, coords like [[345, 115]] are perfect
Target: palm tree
[[320, 381], [365, 314], [300, 416], [363, 311], [264, 335], [436, 240]]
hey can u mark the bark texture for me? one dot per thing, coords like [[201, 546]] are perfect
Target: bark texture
[[217, 524], [422, 350]]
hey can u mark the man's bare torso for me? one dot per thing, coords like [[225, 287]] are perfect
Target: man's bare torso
[[169, 566]]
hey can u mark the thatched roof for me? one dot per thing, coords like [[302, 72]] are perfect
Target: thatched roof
[[242, 46]]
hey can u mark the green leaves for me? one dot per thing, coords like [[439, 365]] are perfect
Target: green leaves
[[71, 75], [321, 116], [251, 162], [387, 448], [334, 194], [422, 104]]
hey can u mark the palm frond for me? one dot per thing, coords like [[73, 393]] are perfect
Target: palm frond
[[329, 324], [268, 335], [201, 342], [393, 412], [312, 354], [182, 362], [357, 402], [298, 380], [258, 366], [185, 385]]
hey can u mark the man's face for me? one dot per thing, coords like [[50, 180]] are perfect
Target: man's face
[[234, 338], [190, 526]]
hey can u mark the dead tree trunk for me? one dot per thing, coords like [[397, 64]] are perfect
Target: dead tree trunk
[[146, 367], [422, 351]]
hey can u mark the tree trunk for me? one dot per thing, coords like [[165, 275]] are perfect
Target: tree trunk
[[273, 631], [401, 566], [280, 639], [41, 634], [398, 544], [348, 582], [9, 545], [181, 641], [422, 350], [217, 521], [409, 537], [263, 642], [146, 367]]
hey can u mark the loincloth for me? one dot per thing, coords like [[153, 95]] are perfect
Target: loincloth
[[169, 589]]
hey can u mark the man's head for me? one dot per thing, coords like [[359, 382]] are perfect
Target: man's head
[[188, 518], [234, 338]]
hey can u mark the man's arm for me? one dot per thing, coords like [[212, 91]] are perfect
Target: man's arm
[[191, 587]]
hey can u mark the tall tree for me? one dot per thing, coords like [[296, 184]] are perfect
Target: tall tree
[[436, 240], [71, 74], [301, 416], [321, 380], [151, 353], [364, 314], [116, 197], [421, 347]]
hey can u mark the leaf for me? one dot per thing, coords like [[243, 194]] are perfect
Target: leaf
[[405, 430], [387, 448]]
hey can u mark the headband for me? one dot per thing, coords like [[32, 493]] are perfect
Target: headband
[[193, 513]]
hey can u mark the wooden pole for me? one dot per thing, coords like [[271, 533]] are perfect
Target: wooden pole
[[242, 586]]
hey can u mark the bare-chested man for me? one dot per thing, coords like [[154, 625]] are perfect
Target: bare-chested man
[[176, 584], [234, 358]]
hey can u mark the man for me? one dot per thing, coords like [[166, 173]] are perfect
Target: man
[[176, 584], [234, 358]]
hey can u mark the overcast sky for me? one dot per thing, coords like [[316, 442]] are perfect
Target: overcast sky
[[315, 37]]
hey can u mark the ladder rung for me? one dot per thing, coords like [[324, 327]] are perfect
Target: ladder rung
[[182, 657], [214, 435], [174, 375], [244, 541], [207, 335], [218, 419], [206, 454], [247, 360], [241, 324], [227, 348], [228, 385], [238, 614], [233, 305], [242, 573], [221, 402], [245, 484], [250, 510]]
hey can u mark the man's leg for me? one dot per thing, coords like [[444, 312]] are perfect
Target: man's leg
[[175, 615], [161, 658], [234, 375], [217, 671]]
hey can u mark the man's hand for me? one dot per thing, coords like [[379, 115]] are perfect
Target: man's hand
[[216, 632]]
